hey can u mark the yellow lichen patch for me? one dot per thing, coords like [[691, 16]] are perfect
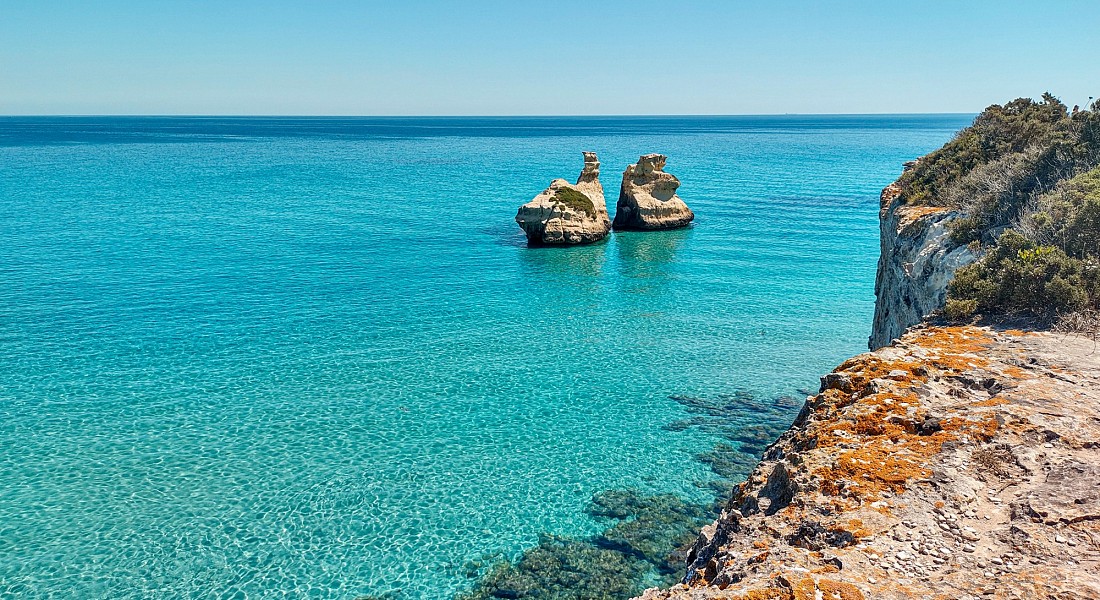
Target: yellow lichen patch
[[857, 529], [907, 215], [866, 367], [876, 429], [993, 401], [955, 340], [768, 593], [837, 590], [802, 588]]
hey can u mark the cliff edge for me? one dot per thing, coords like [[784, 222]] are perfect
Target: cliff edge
[[959, 462], [951, 461], [916, 262]]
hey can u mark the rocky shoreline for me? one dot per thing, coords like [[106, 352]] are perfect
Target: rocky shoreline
[[959, 462]]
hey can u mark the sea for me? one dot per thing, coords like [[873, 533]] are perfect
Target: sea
[[295, 357]]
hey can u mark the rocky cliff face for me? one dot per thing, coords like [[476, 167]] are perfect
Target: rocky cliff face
[[959, 462], [647, 197], [565, 213], [950, 462], [916, 263]]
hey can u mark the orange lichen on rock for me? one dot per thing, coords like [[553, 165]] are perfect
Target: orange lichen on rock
[[857, 529], [907, 215], [891, 450], [802, 588], [956, 340], [838, 590], [891, 483]]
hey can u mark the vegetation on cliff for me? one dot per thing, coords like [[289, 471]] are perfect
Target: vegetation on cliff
[[1025, 181], [575, 200]]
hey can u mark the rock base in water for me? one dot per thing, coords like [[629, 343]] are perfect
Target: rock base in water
[[568, 214], [647, 198]]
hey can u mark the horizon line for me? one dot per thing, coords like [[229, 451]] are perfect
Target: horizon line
[[470, 116]]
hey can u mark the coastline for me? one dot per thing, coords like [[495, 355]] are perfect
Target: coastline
[[958, 462], [951, 461]]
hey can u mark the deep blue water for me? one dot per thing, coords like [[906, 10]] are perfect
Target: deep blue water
[[272, 356]]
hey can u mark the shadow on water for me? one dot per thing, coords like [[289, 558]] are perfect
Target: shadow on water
[[648, 535]]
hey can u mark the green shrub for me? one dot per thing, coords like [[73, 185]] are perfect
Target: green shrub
[[1069, 216], [1019, 277], [575, 200], [994, 170], [958, 311], [964, 230]]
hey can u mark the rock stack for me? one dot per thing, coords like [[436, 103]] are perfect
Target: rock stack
[[567, 214], [648, 200]]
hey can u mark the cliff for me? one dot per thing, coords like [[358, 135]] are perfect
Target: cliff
[[959, 462], [916, 262], [951, 461]]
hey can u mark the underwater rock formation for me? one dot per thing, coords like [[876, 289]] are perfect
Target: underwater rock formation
[[647, 198], [567, 214]]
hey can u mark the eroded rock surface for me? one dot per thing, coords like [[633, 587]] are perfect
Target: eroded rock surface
[[566, 213], [647, 198], [960, 462], [916, 262]]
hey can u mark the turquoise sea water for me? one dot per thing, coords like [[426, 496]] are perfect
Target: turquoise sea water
[[267, 357]]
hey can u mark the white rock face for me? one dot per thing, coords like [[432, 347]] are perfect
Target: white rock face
[[647, 198], [552, 219], [916, 263]]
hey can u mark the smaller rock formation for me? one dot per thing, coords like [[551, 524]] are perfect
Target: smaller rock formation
[[648, 200], [565, 213]]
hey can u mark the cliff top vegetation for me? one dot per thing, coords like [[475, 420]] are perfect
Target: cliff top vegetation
[[1025, 181]]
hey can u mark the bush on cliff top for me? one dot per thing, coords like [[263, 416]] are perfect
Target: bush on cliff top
[[1048, 266], [1024, 179], [1011, 154], [575, 200], [1019, 277]]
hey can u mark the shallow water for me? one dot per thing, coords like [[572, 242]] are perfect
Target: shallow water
[[261, 357]]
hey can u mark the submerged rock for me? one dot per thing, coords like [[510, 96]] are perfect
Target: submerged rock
[[648, 200], [565, 213]]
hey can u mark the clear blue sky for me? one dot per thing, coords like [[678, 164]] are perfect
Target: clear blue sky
[[420, 57]]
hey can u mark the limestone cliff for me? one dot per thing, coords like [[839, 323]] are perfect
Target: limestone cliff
[[950, 462], [916, 263], [960, 462], [565, 213]]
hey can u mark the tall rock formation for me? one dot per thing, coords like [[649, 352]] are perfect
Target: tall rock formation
[[916, 263], [565, 213], [647, 198]]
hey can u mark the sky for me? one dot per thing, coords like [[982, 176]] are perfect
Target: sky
[[559, 57]]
